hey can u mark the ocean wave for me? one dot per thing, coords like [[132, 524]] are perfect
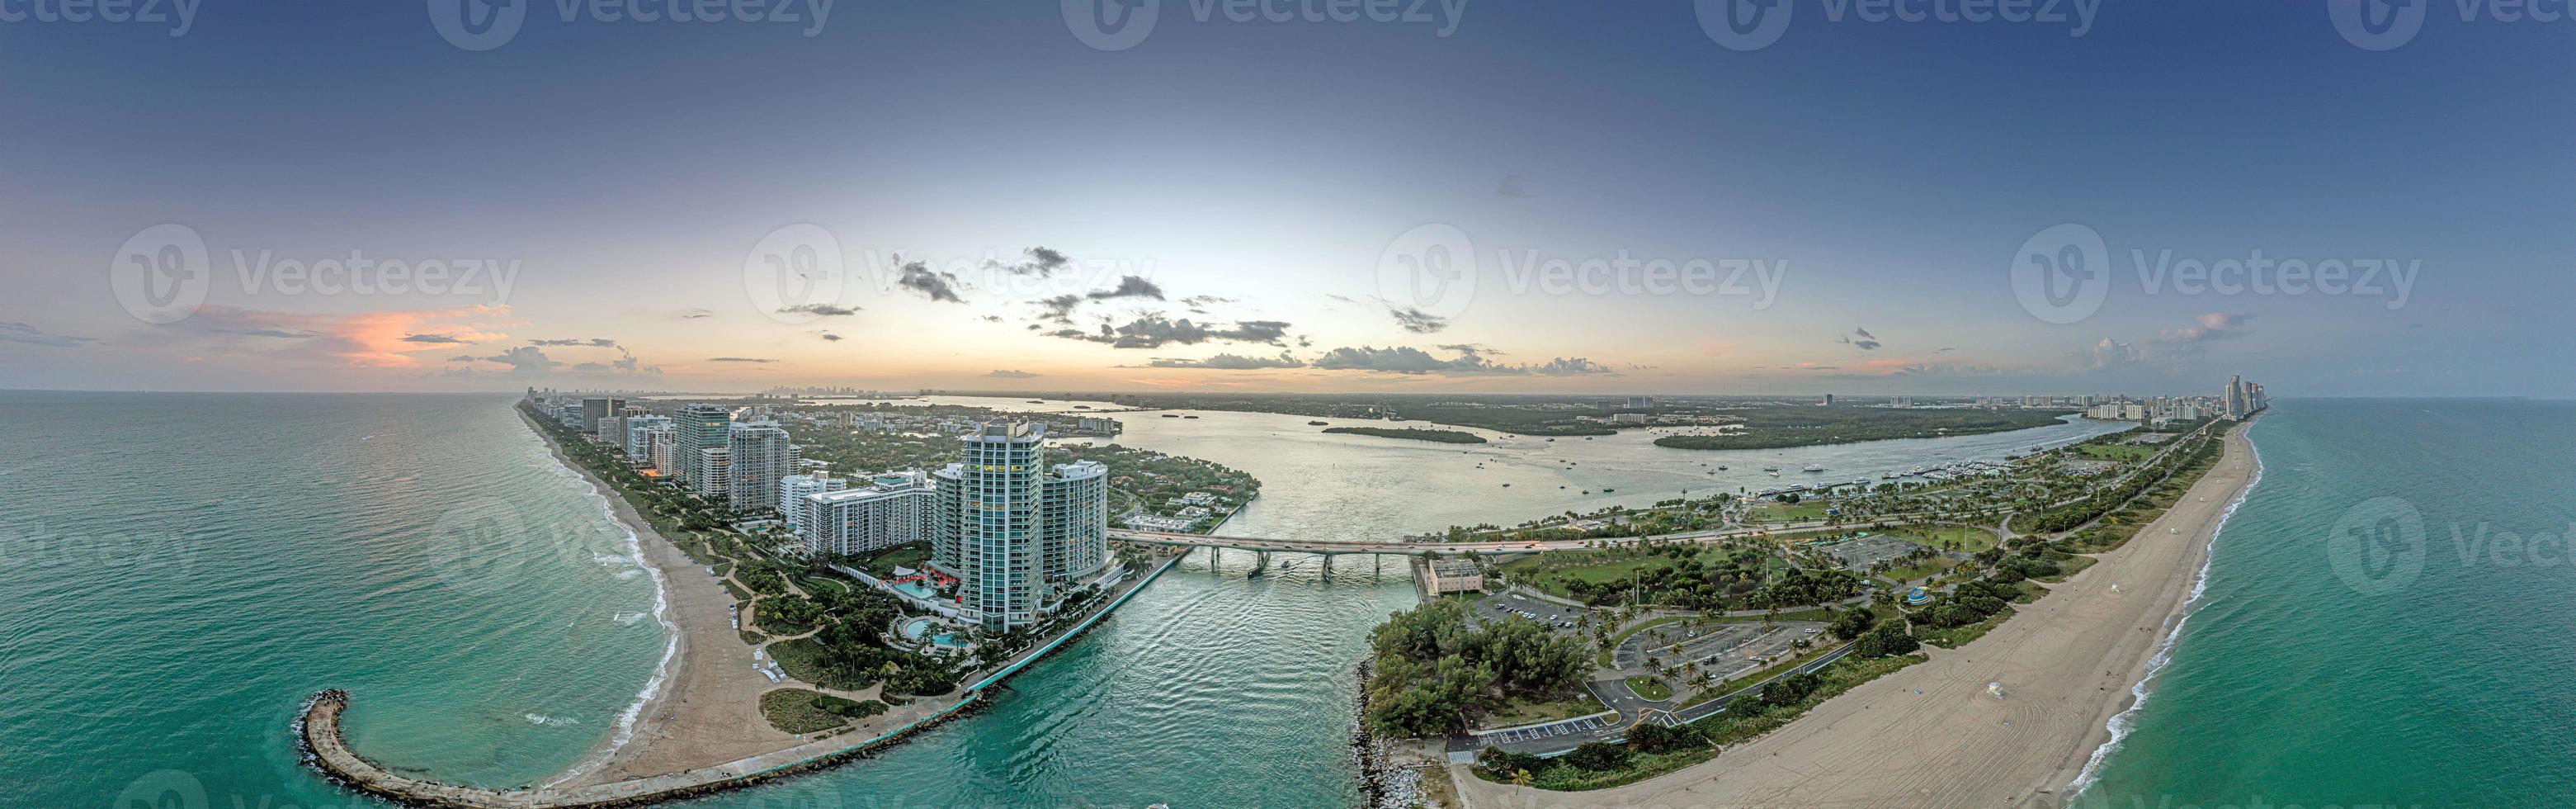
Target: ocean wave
[[661, 615], [548, 721], [2121, 722], [627, 618]]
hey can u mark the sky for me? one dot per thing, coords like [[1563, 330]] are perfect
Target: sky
[[1935, 197]]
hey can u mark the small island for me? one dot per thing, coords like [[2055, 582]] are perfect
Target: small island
[[1440, 436], [1774, 428]]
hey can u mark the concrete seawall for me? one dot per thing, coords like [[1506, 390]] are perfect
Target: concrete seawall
[[318, 732]]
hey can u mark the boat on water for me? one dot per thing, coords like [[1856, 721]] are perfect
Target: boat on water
[[1607, 491], [1317, 423], [1507, 485], [1815, 467], [1171, 415], [1189, 417], [1771, 467]]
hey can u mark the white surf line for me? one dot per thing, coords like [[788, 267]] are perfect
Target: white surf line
[[2121, 722], [661, 615]]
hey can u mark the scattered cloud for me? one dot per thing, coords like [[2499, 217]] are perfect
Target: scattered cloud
[[1417, 321], [1230, 362], [992, 318], [2108, 353], [1041, 261], [694, 314], [739, 359], [2212, 326], [832, 337], [12, 331], [434, 338], [595, 342], [1129, 287], [1155, 331], [1861, 339], [1410, 360], [999, 373], [819, 310], [524, 360], [936, 285]]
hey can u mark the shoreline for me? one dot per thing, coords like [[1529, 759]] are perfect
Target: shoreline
[[687, 668], [1929, 735]]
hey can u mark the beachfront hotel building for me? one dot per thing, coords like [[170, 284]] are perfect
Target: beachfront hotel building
[[794, 507], [711, 475], [758, 455], [698, 428], [1018, 536], [640, 431], [868, 515]]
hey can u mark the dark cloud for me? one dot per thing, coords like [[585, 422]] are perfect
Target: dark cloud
[[999, 373], [1230, 362], [1059, 308], [15, 332], [819, 310], [595, 342], [1155, 331], [434, 338], [832, 337], [524, 360], [1409, 360], [739, 359], [1042, 260], [1944, 350], [1129, 287], [1417, 321], [932, 284], [992, 318], [1861, 339], [694, 314]]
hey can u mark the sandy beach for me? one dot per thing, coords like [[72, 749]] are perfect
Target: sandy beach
[[707, 710], [2066, 664]]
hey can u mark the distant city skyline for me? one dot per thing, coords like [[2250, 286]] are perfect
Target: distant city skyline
[[1863, 209]]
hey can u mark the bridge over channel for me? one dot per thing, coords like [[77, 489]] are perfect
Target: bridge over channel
[[1326, 547]]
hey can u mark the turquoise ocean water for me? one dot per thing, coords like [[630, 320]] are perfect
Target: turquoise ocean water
[[177, 572], [2422, 661]]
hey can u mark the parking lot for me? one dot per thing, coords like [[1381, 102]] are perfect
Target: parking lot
[[1559, 730], [1859, 554], [1555, 616], [1721, 649]]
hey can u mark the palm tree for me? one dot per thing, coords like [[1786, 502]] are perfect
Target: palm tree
[[1520, 778]]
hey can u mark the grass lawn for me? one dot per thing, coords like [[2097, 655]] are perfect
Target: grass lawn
[[1550, 570], [1519, 711], [883, 564], [1934, 565], [802, 659], [793, 710], [2117, 452], [1650, 688], [1802, 511], [1970, 539]]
